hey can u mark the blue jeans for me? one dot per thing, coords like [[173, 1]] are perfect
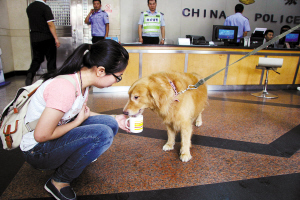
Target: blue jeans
[[71, 153]]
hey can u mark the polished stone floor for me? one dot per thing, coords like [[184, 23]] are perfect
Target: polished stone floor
[[246, 149]]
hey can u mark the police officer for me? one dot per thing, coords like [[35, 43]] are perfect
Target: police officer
[[151, 21], [239, 20], [99, 21]]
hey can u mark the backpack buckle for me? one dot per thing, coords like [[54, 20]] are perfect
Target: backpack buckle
[[29, 129]]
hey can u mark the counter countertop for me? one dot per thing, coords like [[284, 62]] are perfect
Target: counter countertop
[[205, 46]]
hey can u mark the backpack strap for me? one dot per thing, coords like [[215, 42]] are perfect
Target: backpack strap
[[30, 126], [70, 79]]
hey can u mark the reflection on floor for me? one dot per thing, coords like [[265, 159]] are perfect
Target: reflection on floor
[[247, 148]]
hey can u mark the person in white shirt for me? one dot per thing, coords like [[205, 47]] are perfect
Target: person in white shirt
[[269, 34], [68, 135]]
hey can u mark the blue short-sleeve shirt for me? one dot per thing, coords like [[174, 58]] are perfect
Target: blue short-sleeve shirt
[[238, 20], [98, 21], [162, 22]]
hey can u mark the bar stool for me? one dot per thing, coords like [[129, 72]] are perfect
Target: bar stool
[[267, 64]]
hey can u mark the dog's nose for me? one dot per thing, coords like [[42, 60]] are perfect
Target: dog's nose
[[125, 113]]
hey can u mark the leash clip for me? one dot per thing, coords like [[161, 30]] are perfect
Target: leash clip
[[190, 87]]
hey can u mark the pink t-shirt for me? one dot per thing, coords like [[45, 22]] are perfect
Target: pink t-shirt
[[59, 94], [63, 98]]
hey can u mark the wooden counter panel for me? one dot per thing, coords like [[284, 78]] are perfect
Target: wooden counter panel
[[155, 62], [206, 65], [244, 72], [207, 60], [287, 71], [298, 78], [131, 73]]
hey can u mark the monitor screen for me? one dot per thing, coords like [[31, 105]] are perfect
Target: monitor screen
[[226, 34], [292, 37]]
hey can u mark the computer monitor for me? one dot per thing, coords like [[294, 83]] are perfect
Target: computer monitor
[[227, 34], [257, 37], [259, 33], [293, 38]]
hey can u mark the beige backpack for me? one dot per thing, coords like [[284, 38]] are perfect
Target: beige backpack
[[12, 127]]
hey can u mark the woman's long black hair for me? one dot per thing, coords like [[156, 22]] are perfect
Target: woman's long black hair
[[107, 53]]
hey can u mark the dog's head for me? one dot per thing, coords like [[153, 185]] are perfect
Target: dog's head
[[145, 93], [138, 99]]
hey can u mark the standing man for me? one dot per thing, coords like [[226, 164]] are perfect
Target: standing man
[[149, 24], [43, 38], [239, 20], [99, 22]]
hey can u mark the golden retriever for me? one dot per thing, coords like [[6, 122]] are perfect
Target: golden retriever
[[158, 92]]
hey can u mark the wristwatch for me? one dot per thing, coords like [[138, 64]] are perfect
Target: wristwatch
[[163, 39]]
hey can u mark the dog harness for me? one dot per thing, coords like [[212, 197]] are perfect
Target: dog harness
[[174, 88]]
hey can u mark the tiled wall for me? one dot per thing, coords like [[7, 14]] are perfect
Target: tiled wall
[[14, 35]]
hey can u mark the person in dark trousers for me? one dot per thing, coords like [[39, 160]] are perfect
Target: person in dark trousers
[[151, 22], [44, 41]]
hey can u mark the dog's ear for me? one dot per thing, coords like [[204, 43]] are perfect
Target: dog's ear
[[160, 98], [154, 96]]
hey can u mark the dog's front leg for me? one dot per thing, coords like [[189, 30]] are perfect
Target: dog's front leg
[[186, 135], [171, 139]]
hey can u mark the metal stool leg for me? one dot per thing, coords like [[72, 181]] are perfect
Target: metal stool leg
[[264, 93]]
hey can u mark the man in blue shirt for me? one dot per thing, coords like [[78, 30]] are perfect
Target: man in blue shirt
[[99, 21], [239, 20], [150, 24]]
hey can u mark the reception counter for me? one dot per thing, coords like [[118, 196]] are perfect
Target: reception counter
[[205, 60]]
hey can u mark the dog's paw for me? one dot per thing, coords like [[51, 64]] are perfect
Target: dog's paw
[[168, 147], [198, 123], [185, 157]]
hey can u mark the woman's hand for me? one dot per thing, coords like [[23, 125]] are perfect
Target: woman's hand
[[83, 114], [121, 119], [47, 128]]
